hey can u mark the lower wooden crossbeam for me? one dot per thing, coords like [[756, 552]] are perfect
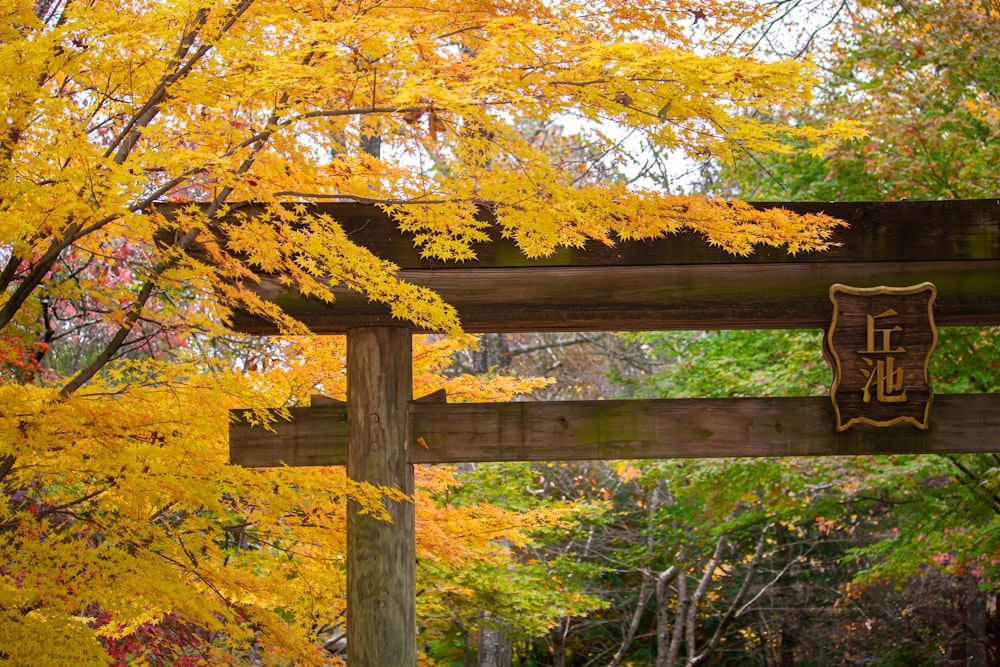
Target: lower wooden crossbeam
[[592, 430]]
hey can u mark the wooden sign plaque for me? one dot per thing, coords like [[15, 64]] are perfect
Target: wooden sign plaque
[[879, 344]]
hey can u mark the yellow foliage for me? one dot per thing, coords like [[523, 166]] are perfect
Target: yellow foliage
[[116, 370], [124, 499]]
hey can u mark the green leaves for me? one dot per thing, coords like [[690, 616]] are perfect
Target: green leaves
[[722, 364]]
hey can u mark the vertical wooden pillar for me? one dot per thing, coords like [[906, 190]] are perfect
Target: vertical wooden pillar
[[381, 585]]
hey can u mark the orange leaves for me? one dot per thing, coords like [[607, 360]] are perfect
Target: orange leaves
[[271, 102], [435, 125], [453, 534], [21, 357]]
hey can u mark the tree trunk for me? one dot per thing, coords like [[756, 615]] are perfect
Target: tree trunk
[[634, 621], [663, 635], [558, 637], [975, 621], [493, 354], [993, 631], [786, 648], [669, 656], [494, 649]]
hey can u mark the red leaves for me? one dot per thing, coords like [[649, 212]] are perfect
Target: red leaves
[[20, 356], [172, 640]]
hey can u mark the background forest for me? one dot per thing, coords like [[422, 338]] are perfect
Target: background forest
[[854, 561], [127, 539]]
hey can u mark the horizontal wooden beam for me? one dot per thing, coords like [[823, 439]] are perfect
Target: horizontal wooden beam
[[677, 282], [876, 232], [637, 298], [652, 429], [314, 436]]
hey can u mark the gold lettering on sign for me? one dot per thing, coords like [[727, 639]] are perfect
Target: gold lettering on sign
[[879, 344], [888, 379], [884, 335]]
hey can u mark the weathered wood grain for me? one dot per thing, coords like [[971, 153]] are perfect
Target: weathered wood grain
[[303, 441], [644, 298], [679, 282], [691, 428], [667, 428], [876, 231], [381, 555]]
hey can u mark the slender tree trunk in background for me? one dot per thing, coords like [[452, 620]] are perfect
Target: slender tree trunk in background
[[493, 355], [993, 630], [786, 650], [494, 649], [667, 655], [663, 635], [468, 655], [633, 626], [976, 640], [558, 635]]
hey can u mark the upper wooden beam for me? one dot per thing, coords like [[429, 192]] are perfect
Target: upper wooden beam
[[599, 430], [645, 298], [680, 282], [877, 232]]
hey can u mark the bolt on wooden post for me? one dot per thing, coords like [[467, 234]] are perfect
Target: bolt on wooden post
[[381, 555]]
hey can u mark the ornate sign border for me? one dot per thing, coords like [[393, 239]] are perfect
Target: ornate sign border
[[835, 363]]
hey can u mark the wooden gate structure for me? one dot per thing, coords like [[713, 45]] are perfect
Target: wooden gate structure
[[674, 283]]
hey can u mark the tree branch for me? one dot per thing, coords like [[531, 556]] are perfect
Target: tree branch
[[135, 310], [732, 612], [121, 147], [663, 644], [131, 317], [633, 626], [683, 601], [6, 464], [699, 595], [56, 509], [974, 483]]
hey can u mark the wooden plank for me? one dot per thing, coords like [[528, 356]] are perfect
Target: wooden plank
[[691, 428], [315, 436], [381, 555], [877, 231], [671, 297], [667, 428], [677, 282]]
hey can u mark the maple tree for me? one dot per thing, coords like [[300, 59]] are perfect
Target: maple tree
[[141, 529], [120, 515], [923, 75], [915, 533], [774, 561]]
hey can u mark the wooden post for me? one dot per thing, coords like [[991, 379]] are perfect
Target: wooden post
[[381, 557]]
